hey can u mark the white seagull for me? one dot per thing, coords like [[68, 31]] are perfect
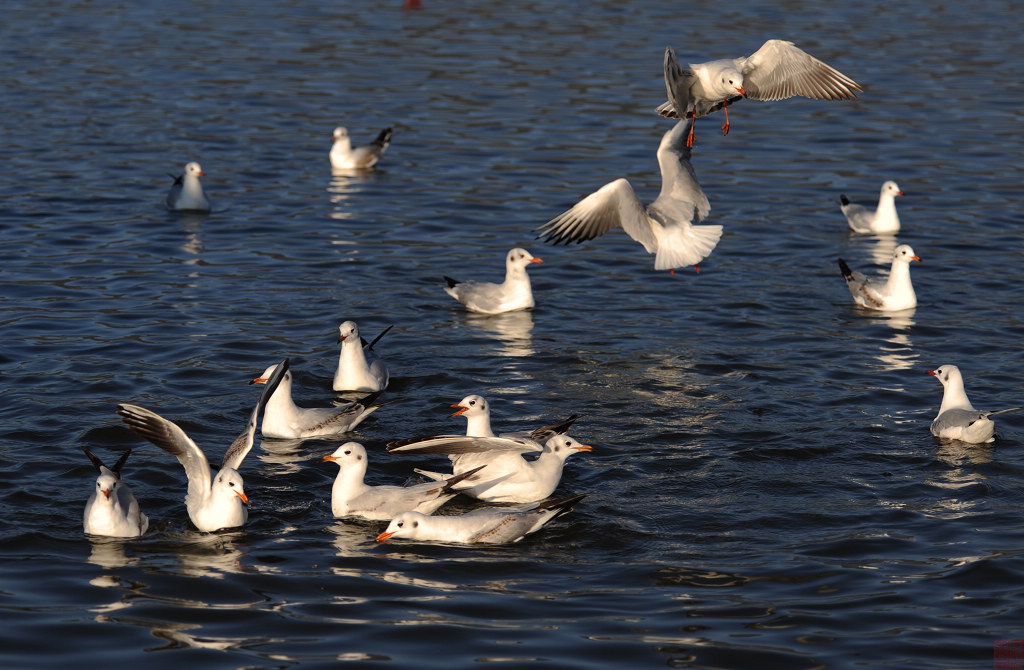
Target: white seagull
[[351, 496], [285, 420], [507, 476], [776, 71], [883, 220], [664, 227], [186, 194], [359, 366], [112, 509], [213, 503], [957, 418], [895, 294], [489, 525], [344, 156], [488, 298]]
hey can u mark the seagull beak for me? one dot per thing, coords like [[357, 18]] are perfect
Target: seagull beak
[[741, 90], [341, 338], [536, 260], [933, 373], [258, 380], [916, 258], [460, 410], [329, 457], [106, 493], [900, 193], [201, 173], [244, 498], [384, 537], [584, 447]]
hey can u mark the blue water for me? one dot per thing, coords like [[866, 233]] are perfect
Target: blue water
[[763, 491]]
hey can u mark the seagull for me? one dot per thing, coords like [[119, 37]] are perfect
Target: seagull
[[664, 227], [359, 367], [776, 71], [112, 509], [507, 477], [883, 220], [351, 496], [957, 418], [343, 156], [186, 193], [895, 294], [511, 295], [286, 420], [213, 503], [489, 525]]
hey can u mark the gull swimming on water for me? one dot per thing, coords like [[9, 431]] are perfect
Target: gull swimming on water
[[186, 194], [895, 294], [883, 220], [213, 502], [112, 509], [776, 71], [344, 156], [285, 420], [351, 496], [957, 418], [664, 227], [488, 298], [489, 525], [359, 366]]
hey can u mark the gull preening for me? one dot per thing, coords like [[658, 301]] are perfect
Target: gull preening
[[359, 366], [112, 509], [664, 227], [894, 294], [213, 502], [186, 194], [776, 71], [344, 156], [351, 496], [284, 419], [513, 294], [489, 525], [957, 419], [883, 220]]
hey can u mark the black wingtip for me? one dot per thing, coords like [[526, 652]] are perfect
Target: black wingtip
[[93, 458], [120, 462], [452, 283], [843, 200], [845, 269]]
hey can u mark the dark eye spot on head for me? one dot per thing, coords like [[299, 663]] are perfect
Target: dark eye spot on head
[[415, 524], [359, 458]]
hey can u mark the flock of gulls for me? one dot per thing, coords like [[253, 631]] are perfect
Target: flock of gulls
[[515, 474]]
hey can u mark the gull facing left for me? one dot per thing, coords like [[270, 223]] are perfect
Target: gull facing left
[[344, 156], [957, 418], [359, 366], [664, 228], [213, 503], [489, 525], [112, 509], [511, 295], [895, 294]]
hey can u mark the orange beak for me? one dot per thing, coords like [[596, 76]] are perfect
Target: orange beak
[[384, 537], [741, 90], [584, 447], [460, 410], [106, 493], [536, 260], [933, 373], [244, 498], [329, 457], [258, 380], [916, 258]]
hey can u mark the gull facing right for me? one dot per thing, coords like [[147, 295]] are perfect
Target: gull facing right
[[664, 227], [895, 294], [776, 71], [511, 295], [883, 220], [957, 419]]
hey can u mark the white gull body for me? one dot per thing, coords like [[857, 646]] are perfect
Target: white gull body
[[112, 509], [284, 419], [511, 295], [777, 71], [213, 502], [883, 219], [186, 194], [896, 293], [490, 525], [957, 419], [344, 156], [351, 496], [664, 228], [359, 367]]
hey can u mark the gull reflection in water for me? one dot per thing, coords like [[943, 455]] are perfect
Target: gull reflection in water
[[191, 222], [283, 454], [210, 554], [512, 329], [344, 184], [108, 553], [353, 538], [897, 349], [882, 252]]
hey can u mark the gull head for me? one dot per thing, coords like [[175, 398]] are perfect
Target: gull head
[[348, 332], [891, 188], [405, 524], [946, 373], [229, 481], [106, 484], [350, 452], [905, 253], [521, 257], [470, 406], [193, 169], [340, 133]]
